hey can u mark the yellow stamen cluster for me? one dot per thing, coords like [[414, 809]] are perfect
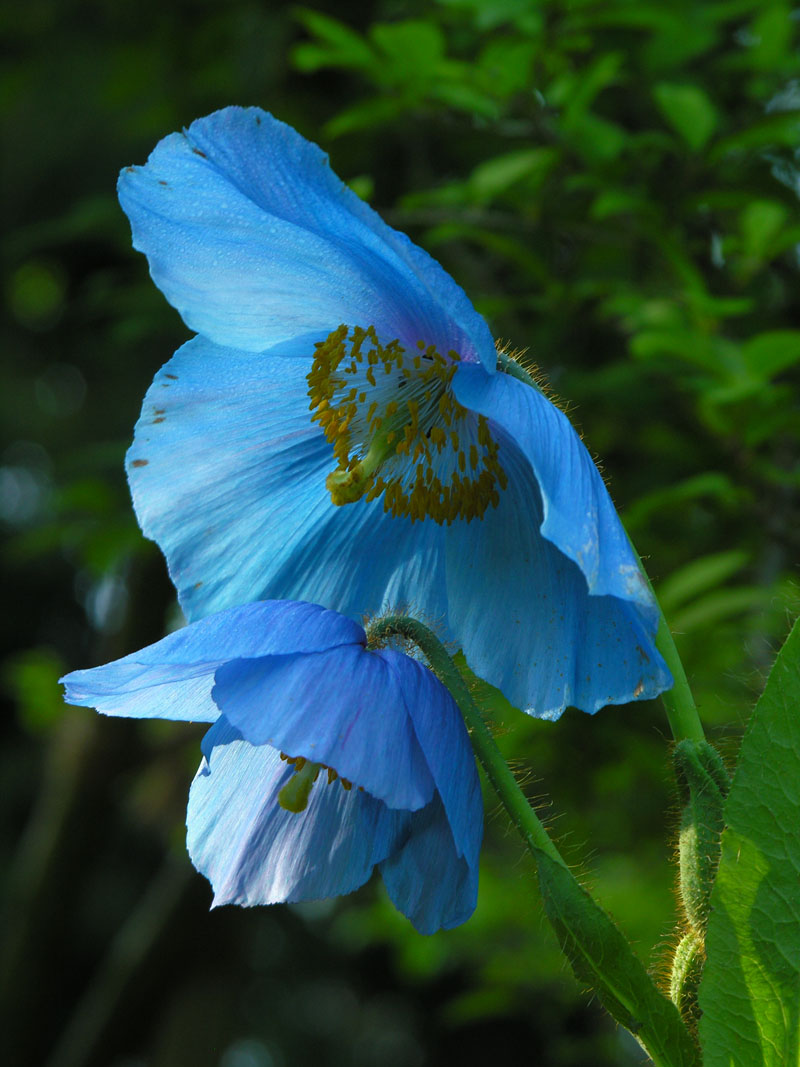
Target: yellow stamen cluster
[[299, 762], [397, 430]]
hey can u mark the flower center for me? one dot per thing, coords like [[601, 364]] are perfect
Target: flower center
[[397, 429], [294, 795]]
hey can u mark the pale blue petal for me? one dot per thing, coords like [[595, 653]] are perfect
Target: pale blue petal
[[343, 708], [172, 678], [228, 473], [254, 852], [535, 631], [426, 879], [578, 515], [254, 239], [444, 740]]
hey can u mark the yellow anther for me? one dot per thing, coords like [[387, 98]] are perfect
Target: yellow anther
[[402, 434]]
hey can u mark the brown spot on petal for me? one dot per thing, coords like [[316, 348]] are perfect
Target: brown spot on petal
[[197, 585], [639, 689], [173, 376], [161, 182], [140, 462], [159, 419], [159, 411], [197, 152]]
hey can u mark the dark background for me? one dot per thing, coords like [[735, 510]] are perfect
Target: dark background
[[614, 185]]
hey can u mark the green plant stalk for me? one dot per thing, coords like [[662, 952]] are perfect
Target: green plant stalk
[[597, 950], [681, 709]]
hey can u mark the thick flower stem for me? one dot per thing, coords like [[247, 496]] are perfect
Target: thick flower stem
[[678, 701], [598, 952]]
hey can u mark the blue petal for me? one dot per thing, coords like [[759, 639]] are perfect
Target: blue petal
[[445, 742], [254, 239], [426, 879], [537, 633], [254, 852], [172, 678], [342, 708], [578, 515], [228, 475]]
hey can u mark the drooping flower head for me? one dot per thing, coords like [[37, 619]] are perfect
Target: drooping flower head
[[339, 430], [326, 759]]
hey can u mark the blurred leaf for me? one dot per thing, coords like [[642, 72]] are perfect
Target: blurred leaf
[[414, 47], [464, 98], [497, 175], [337, 45], [505, 66], [596, 139], [365, 115], [761, 222], [491, 13], [713, 484], [612, 202], [780, 129], [31, 677], [770, 353], [575, 92], [688, 110], [699, 576], [772, 30], [716, 607], [750, 992]]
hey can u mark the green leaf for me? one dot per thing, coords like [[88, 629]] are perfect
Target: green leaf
[[601, 957], [722, 604], [770, 353], [495, 176], [596, 139], [762, 222], [750, 993], [775, 129], [31, 677], [413, 46], [365, 115], [699, 576], [688, 110], [336, 45]]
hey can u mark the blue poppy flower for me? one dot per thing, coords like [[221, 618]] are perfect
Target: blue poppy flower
[[339, 430], [326, 759]]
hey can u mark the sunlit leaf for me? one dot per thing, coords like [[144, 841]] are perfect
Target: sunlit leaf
[[750, 993]]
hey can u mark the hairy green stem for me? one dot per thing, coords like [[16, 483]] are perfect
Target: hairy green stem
[[597, 950]]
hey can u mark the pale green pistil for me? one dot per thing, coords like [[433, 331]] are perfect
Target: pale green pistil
[[294, 795]]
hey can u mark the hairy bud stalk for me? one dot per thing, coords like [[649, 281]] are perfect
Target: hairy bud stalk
[[703, 785]]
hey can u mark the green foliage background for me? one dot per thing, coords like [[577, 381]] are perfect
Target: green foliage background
[[615, 185]]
